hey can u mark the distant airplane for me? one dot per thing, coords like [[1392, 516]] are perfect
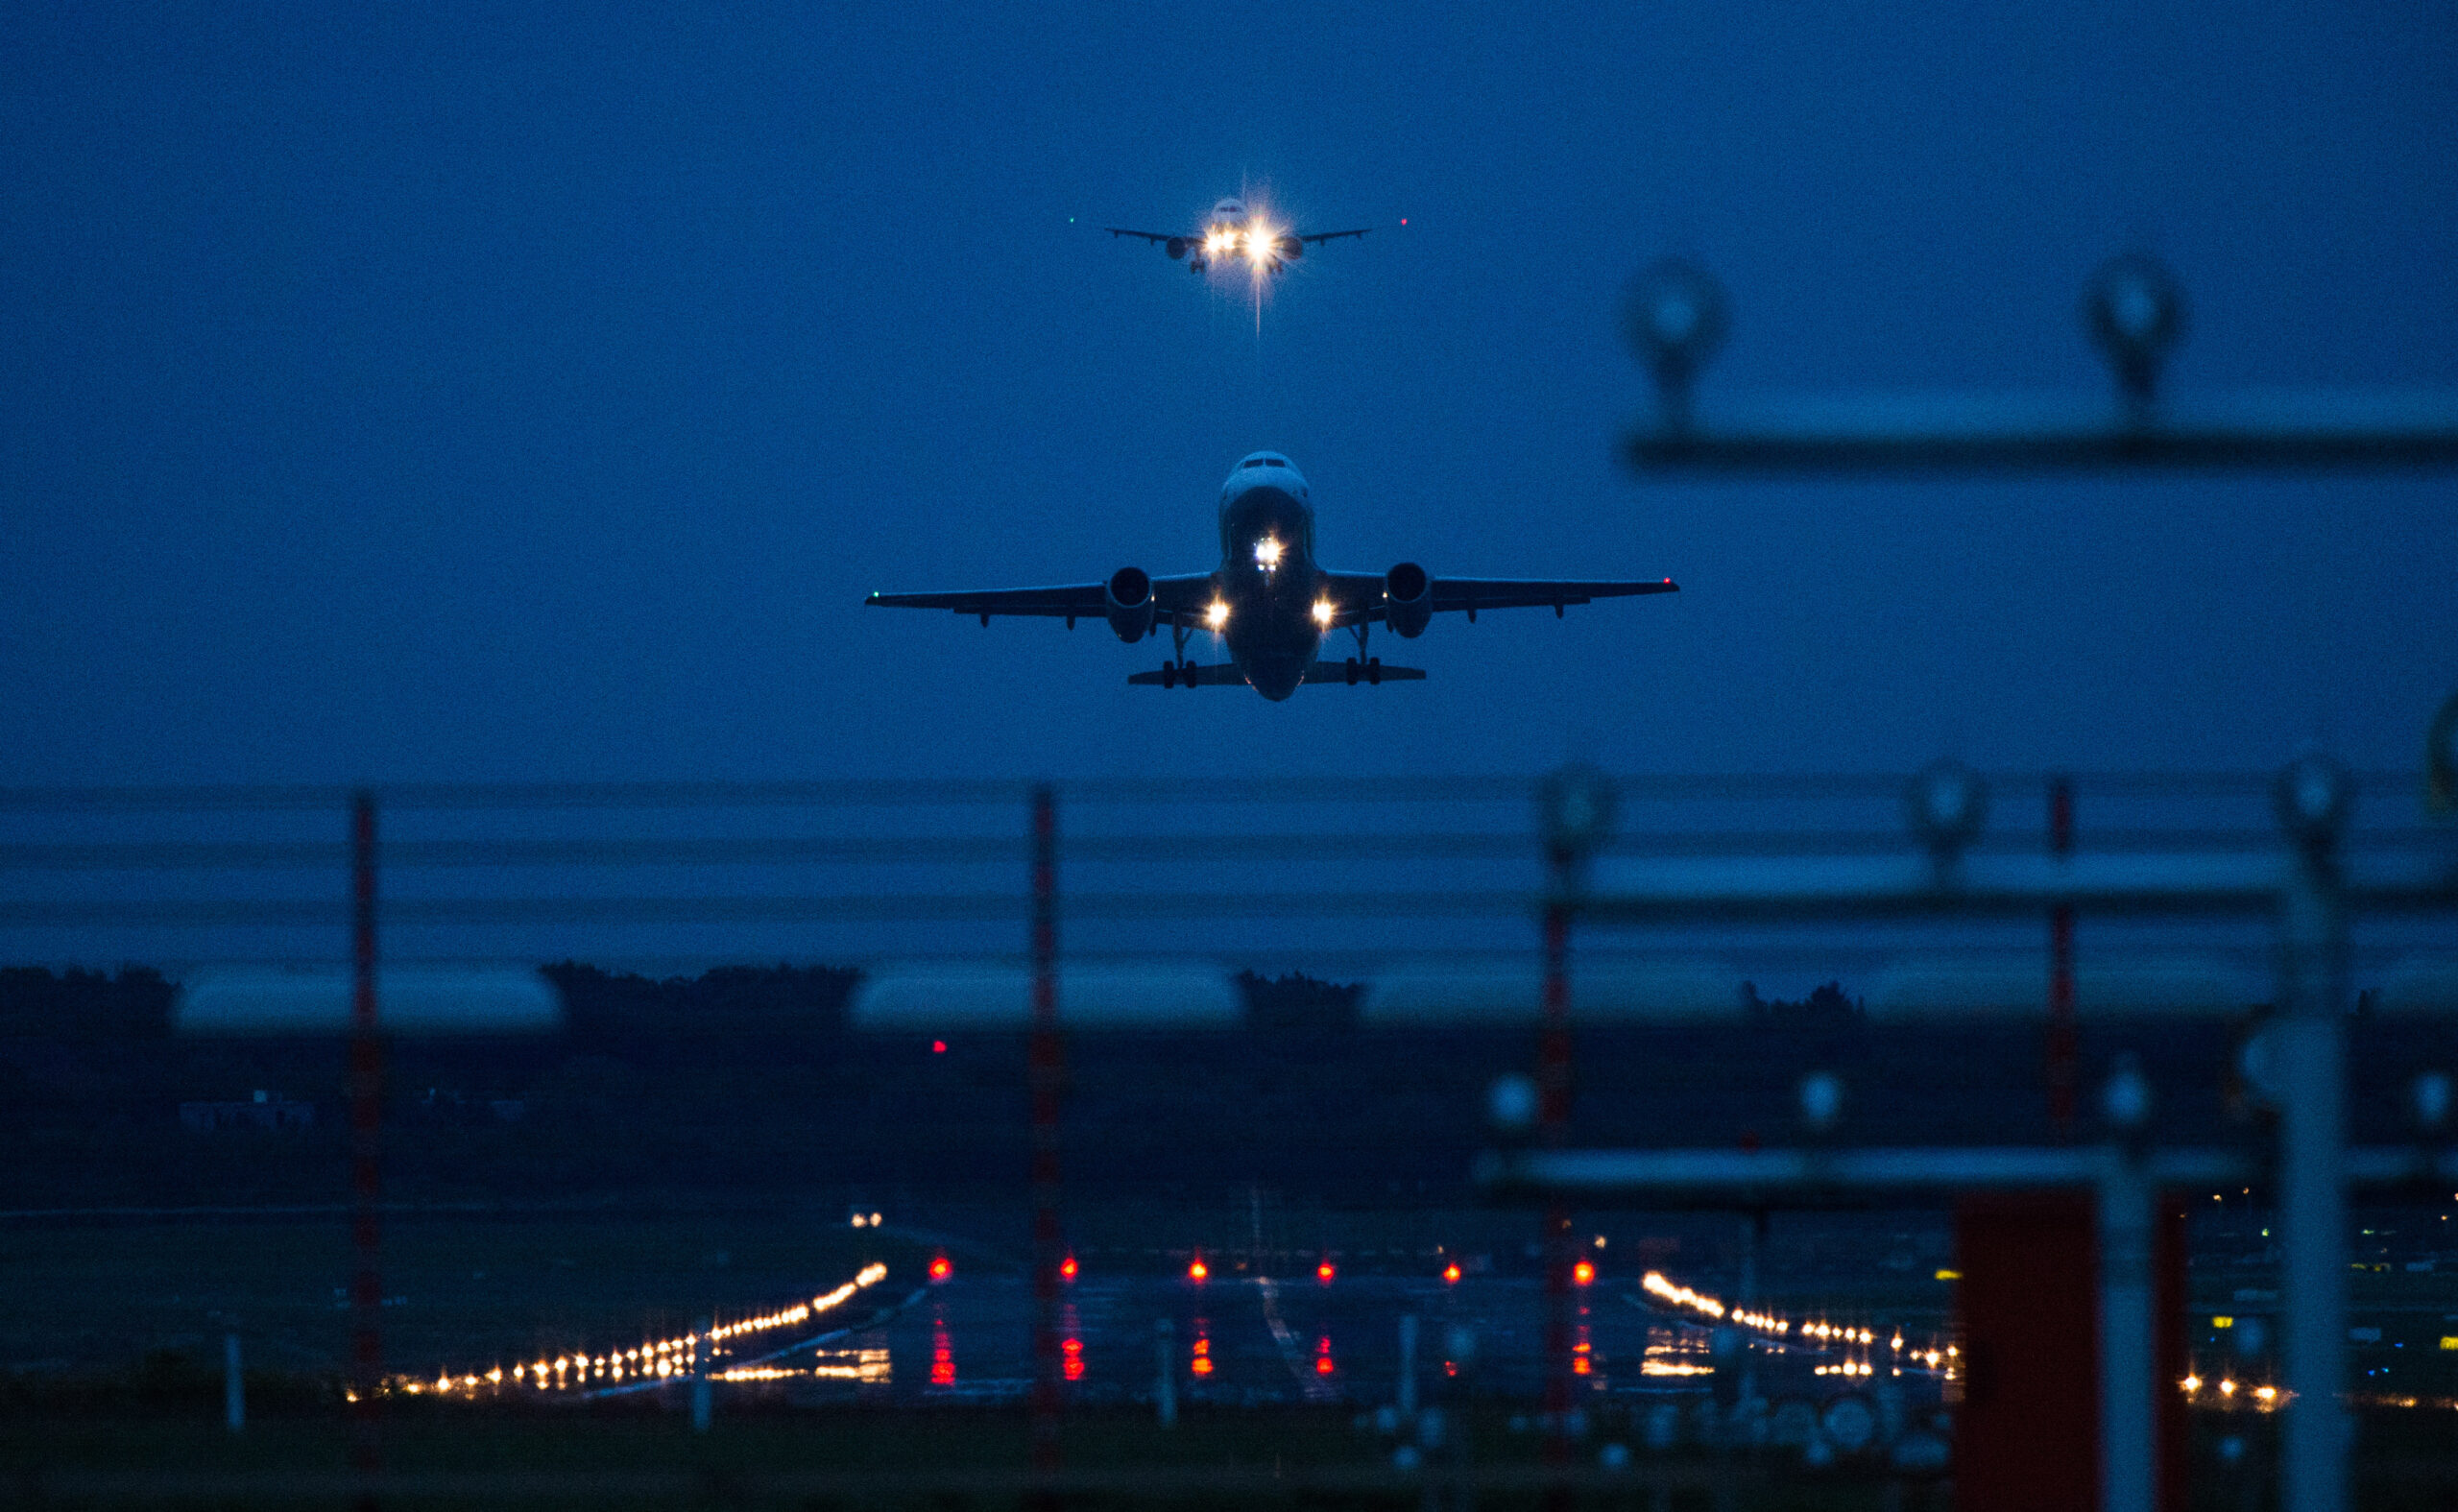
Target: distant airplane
[[1233, 230], [1269, 600]]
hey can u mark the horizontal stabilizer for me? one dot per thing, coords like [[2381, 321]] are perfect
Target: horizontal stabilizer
[[1221, 675], [1358, 672]]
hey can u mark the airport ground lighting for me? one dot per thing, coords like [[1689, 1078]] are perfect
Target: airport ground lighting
[[1675, 317], [2309, 895]]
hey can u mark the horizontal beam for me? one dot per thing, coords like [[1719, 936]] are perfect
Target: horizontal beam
[[1807, 890], [2022, 434], [1748, 1178]]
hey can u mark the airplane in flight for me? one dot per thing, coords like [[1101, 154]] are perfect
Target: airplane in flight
[[1233, 230], [1268, 601]]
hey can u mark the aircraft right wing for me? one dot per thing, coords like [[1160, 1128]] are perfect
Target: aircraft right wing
[[1154, 237], [1358, 596], [1333, 236]]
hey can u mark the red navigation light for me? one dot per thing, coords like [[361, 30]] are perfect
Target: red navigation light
[[1198, 1270], [1067, 1268], [1583, 1273], [1451, 1274], [940, 1269], [1324, 1273], [938, 1047], [1323, 1357]]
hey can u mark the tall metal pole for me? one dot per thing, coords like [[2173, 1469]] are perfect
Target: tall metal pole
[[2129, 1338], [1553, 1113], [2060, 1049], [365, 1122], [2313, 800], [1048, 1078]]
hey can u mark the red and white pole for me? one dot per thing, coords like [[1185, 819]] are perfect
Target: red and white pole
[[366, 1123], [1047, 1075]]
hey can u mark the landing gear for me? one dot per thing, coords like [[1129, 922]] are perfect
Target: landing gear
[[1178, 669], [1371, 667]]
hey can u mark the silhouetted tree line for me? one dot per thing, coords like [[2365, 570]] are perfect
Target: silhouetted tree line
[[1828, 1007]]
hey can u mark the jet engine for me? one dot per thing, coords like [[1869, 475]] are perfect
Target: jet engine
[[1290, 247], [1407, 600], [1127, 601], [1175, 247]]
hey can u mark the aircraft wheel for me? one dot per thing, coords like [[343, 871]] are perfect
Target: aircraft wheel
[[1186, 674], [1169, 674], [1374, 670], [1351, 670]]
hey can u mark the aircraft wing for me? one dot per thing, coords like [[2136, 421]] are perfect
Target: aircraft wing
[[1155, 237], [1333, 236], [1358, 596], [1188, 593]]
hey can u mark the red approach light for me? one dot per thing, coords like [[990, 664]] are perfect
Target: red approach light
[[940, 1269], [1067, 1268], [1323, 1357], [1198, 1270], [1324, 1273], [1451, 1274], [1583, 1273], [938, 1047]]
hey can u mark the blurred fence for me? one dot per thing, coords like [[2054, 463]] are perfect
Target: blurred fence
[[1447, 902]]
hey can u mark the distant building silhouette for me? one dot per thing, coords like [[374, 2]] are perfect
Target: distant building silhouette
[[266, 1110]]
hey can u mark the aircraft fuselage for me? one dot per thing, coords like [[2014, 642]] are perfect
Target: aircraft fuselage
[[1269, 584]]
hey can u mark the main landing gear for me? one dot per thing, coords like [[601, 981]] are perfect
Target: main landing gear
[[1362, 666], [1178, 671]]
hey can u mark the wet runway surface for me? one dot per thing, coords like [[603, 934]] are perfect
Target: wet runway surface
[[1252, 1340]]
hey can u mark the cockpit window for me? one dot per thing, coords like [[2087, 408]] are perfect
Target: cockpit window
[[1255, 462]]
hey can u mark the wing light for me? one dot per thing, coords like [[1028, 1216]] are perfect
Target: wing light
[[1323, 613], [1217, 615]]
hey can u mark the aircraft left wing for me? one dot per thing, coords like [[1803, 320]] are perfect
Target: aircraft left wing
[[1333, 236], [1155, 237], [1188, 593], [1358, 596]]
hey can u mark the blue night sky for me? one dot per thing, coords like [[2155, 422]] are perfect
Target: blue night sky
[[426, 392]]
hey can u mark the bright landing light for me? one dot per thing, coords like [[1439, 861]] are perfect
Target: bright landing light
[[1323, 613], [1216, 615], [1267, 552]]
